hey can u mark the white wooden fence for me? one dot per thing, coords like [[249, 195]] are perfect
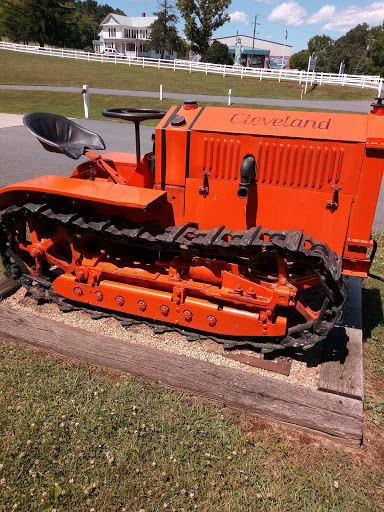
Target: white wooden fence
[[302, 77]]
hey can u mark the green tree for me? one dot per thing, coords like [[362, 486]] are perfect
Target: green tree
[[350, 48], [54, 22], [300, 60], [10, 21], [375, 56], [202, 18], [97, 11], [183, 49], [323, 47], [360, 66], [41, 21], [164, 36], [218, 53], [318, 44]]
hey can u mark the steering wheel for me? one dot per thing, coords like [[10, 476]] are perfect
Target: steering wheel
[[136, 115]]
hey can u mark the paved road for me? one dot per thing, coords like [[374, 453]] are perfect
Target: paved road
[[22, 156], [351, 106]]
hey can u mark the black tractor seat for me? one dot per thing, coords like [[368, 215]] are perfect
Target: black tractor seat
[[60, 135]]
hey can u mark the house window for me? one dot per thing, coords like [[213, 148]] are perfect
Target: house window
[[134, 34], [112, 32], [126, 33]]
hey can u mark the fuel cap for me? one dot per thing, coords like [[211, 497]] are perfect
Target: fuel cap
[[190, 105], [178, 120]]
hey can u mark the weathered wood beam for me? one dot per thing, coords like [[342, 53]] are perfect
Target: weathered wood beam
[[342, 367], [337, 416], [7, 286]]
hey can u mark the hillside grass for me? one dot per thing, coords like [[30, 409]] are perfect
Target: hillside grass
[[28, 69]]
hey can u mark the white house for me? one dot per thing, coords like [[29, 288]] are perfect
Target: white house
[[127, 35]]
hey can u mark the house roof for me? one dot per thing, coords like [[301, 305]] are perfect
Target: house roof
[[129, 21]]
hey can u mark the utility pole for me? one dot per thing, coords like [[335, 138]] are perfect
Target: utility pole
[[254, 32]]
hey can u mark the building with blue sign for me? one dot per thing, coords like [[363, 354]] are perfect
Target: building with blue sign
[[259, 53]]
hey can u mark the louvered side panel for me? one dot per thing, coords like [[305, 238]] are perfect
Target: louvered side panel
[[222, 158], [307, 166]]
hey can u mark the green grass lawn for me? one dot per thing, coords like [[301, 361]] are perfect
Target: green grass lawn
[[76, 439], [71, 104], [26, 69]]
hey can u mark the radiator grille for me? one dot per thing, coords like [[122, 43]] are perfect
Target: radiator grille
[[308, 166], [221, 158], [298, 165]]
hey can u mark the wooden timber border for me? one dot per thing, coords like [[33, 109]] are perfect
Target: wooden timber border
[[335, 410]]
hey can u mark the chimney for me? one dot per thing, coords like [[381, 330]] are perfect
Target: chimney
[[143, 14]]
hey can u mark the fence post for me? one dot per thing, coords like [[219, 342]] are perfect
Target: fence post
[[242, 71], [229, 97], [158, 65], [190, 66], [301, 76], [161, 92], [174, 64], [261, 74], [363, 84], [224, 72], [87, 110], [62, 54], [206, 68], [143, 61], [380, 87]]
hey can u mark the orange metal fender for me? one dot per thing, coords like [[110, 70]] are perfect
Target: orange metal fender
[[111, 196]]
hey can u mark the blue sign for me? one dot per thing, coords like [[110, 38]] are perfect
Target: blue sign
[[277, 62]]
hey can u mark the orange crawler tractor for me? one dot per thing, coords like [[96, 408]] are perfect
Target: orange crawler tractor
[[240, 225]]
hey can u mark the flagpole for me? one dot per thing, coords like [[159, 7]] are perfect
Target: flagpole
[[282, 60]]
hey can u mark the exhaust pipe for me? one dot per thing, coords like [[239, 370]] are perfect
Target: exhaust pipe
[[247, 175]]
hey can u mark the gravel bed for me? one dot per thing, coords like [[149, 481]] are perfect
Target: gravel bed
[[301, 373]]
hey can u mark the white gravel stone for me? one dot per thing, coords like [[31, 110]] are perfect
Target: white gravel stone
[[206, 350]]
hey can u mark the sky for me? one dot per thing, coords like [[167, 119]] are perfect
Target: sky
[[299, 19]]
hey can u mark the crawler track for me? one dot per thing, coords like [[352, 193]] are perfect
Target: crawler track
[[216, 243]]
